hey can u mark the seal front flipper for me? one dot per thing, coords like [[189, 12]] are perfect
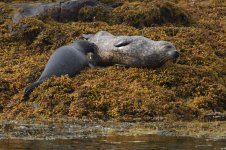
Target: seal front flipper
[[91, 65], [121, 65], [123, 42], [86, 36], [30, 88]]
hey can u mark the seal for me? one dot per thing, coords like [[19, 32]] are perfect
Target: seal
[[59, 11], [70, 60], [130, 51]]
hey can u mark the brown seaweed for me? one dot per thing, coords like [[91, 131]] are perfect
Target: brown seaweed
[[191, 89]]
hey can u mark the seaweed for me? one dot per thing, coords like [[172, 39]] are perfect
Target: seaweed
[[148, 14], [188, 90]]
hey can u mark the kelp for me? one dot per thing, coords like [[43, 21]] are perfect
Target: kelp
[[190, 89]]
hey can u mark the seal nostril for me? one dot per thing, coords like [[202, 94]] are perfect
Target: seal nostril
[[176, 54]]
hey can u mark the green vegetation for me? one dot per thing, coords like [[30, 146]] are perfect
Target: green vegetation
[[190, 89]]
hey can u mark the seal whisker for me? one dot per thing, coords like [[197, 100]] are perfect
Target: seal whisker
[[164, 59], [177, 60]]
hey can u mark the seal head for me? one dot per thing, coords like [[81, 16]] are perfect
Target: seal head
[[131, 51], [165, 51]]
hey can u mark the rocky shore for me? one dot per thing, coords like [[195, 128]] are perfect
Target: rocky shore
[[187, 97]]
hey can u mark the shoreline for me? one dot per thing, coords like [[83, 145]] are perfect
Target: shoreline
[[82, 128], [165, 99]]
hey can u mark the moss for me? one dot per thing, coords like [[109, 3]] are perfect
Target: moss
[[187, 90]]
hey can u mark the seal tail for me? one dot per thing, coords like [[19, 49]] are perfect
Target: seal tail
[[30, 88]]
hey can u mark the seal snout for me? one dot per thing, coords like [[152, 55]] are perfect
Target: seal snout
[[173, 55], [176, 54]]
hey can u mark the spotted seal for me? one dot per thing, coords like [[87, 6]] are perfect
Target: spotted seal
[[70, 59], [130, 51], [60, 11]]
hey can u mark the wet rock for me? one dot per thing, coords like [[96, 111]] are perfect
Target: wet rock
[[215, 117]]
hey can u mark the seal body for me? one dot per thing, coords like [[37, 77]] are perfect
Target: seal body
[[70, 60], [60, 11], [131, 51]]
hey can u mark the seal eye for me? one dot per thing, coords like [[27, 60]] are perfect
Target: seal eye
[[168, 46]]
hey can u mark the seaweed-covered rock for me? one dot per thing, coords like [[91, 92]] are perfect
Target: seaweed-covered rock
[[191, 89], [56, 99], [49, 39], [28, 30], [140, 14], [112, 3], [96, 13], [6, 92]]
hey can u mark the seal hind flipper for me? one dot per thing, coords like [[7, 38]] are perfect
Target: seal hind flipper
[[30, 88]]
